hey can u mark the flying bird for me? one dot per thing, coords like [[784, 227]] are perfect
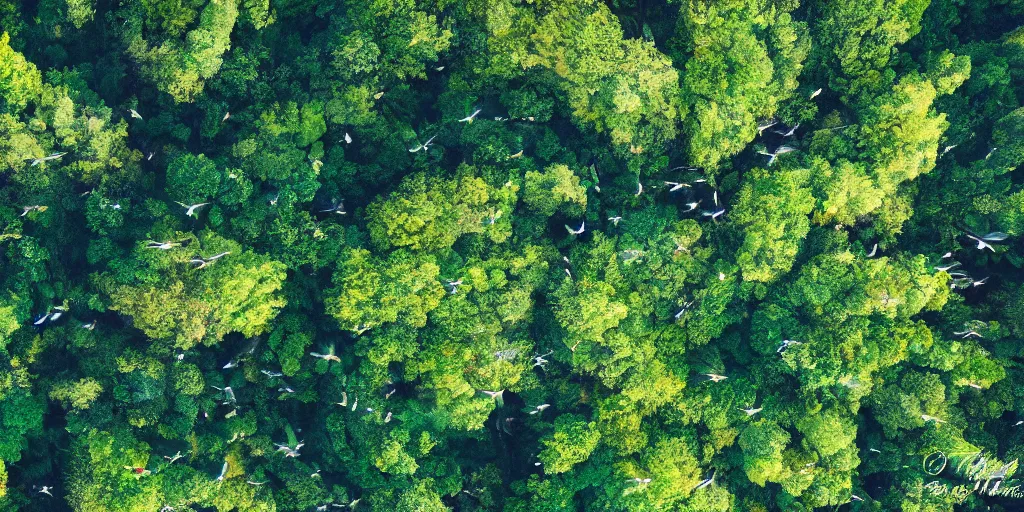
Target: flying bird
[[752, 410], [706, 482], [714, 214], [786, 344], [788, 133], [982, 244], [815, 94], [190, 210], [226, 116], [424, 146], [714, 377], [469, 119], [576, 231], [540, 408], [163, 246], [53, 156], [874, 250], [135, 114], [677, 185], [348, 138], [926, 417], [454, 286], [26, 209], [329, 356], [639, 189], [89, 326], [762, 127], [615, 220], [46, 490], [223, 471]]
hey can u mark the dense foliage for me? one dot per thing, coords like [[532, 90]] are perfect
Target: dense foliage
[[545, 255]]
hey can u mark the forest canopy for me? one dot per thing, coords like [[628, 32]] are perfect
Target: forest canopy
[[511, 255]]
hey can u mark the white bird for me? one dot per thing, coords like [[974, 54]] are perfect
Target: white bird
[[348, 138], [344, 399], [854, 497], [714, 377], [974, 385], [874, 250], [947, 255], [46, 490], [387, 419], [540, 408], [982, 244], [815, 94], [948, 267], [752, 411], [640, 480], [790, 132], [1019, 423], [253, 482], [967, 334], [42, 319], [947, 149], [493, 218], [685, 308], [230, 364], [715, 197], [163, 246], [316, 474], [497, 395], [338, 208], [223, 471], [519, 154], [329, 356], [691, 207], [874, 450], [706, 482], [285, 389], [389, 393], [786, 344], [576, 231], [52, 156], [455, 286], [762, 127], [190, 210], [995, 236], [540, 361], [60, 311], [926, 417], [171, 460], [715, 214], [676, 186], [135, 114], [615, 220], [980, 282], [470, 118], [226, 116], [424, 146], [26, 209], [721, 276], [639, 189], [89, 326]]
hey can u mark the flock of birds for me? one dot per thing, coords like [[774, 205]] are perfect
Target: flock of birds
[[227, 396]]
